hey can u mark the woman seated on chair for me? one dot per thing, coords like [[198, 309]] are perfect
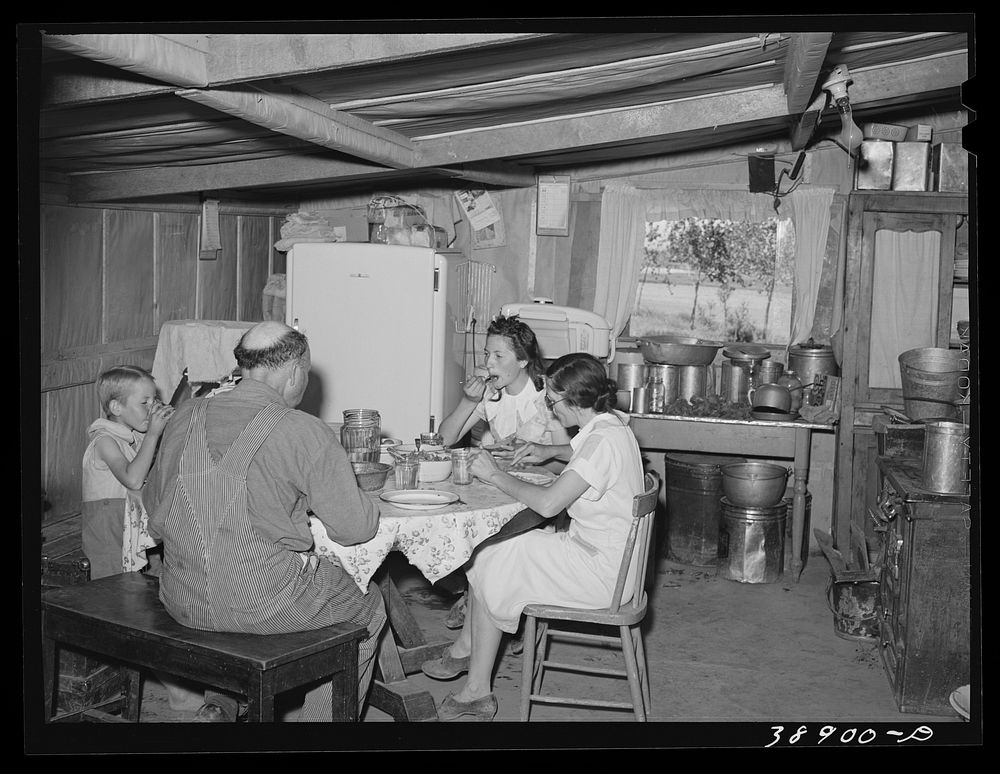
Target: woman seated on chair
[[577, 567]]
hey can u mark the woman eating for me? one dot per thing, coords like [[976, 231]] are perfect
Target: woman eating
[[577, 567], [510, 396]]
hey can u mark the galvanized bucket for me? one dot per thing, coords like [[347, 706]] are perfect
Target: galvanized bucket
[[854, 605], [932, 379], [752, 543], [946, 457]]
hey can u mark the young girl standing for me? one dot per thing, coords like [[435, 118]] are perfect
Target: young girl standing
[[115, 465]]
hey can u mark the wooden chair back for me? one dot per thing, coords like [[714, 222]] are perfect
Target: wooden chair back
[[637, 544]]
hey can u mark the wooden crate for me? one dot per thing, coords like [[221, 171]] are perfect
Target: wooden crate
[[63, 562], [83, 682]]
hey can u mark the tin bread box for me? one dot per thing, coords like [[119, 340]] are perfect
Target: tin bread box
[[564, 329]]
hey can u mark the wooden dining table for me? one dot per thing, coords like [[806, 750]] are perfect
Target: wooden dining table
[[437, 542]]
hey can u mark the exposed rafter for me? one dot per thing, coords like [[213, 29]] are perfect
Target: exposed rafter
[[872, 87], [153, 56], [806, 52], [223, 60], [311, 120], [239, 112]]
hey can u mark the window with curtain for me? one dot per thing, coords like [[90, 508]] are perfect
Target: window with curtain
[[798, 231], [717, 278]]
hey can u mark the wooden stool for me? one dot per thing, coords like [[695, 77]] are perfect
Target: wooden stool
[[121, 617]]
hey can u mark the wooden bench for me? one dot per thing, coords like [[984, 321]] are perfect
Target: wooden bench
[[122, 618]]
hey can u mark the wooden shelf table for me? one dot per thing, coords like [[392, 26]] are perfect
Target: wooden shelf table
[[748, 437]]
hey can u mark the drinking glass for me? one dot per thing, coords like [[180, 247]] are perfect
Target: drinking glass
[[406, 473]]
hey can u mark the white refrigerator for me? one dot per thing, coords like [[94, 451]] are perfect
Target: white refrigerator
[[381, 322]]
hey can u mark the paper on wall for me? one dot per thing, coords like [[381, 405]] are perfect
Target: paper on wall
[[478, 208], [210, 239]]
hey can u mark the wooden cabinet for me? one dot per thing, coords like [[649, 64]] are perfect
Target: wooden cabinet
[[924, 590], [898, 295]]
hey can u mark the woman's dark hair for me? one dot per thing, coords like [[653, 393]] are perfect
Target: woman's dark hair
[[583, 381], [291, 346], [522, 342]]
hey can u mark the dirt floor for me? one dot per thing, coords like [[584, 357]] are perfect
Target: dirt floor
[[728, 662]]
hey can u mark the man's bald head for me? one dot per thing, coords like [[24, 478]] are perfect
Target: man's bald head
[[269, 345]]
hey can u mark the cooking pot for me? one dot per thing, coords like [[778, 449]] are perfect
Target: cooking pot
[[770, 396], [678, 350], [754, 484]]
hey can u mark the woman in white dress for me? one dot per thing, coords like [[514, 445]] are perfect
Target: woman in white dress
[[576, 567], [509, 396]]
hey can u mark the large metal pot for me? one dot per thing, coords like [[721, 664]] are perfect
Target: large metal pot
[[754, 484], [678, 350]]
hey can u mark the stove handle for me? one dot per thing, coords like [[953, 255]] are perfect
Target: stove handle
[[881, 523]]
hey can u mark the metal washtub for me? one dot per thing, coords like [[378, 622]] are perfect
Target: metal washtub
[[693, 493]]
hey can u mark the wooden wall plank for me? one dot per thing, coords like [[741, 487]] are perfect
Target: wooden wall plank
[[71, 277], [176, 266], [254, 254], [128, 280], [217, 279], [583, 265], [69, 413]]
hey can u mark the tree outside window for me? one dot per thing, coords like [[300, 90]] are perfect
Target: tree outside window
[[716, 279]]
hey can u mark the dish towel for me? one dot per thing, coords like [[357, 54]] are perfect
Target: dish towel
[[135, 537]]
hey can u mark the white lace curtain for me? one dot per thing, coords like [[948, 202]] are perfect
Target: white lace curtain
[[625, 210]]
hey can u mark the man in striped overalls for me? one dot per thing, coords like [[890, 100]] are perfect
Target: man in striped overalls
[[237, 477]]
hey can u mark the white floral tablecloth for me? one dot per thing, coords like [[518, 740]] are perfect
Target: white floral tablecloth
[[436, 542]]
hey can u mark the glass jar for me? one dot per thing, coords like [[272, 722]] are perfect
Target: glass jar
[[461, 465], [655, 393], [360, 434]]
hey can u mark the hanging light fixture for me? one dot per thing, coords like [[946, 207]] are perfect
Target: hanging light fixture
[[850, 135]]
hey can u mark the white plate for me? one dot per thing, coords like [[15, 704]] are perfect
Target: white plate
[[531, 478], [959, 699], [419, 499]]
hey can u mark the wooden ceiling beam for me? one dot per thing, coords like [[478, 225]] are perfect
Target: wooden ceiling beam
[[803, 62], [152, 56], [620, 127], [872, 88], [491, 173], [311, 120], [256, 173], [277, 171], [234, 59]]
